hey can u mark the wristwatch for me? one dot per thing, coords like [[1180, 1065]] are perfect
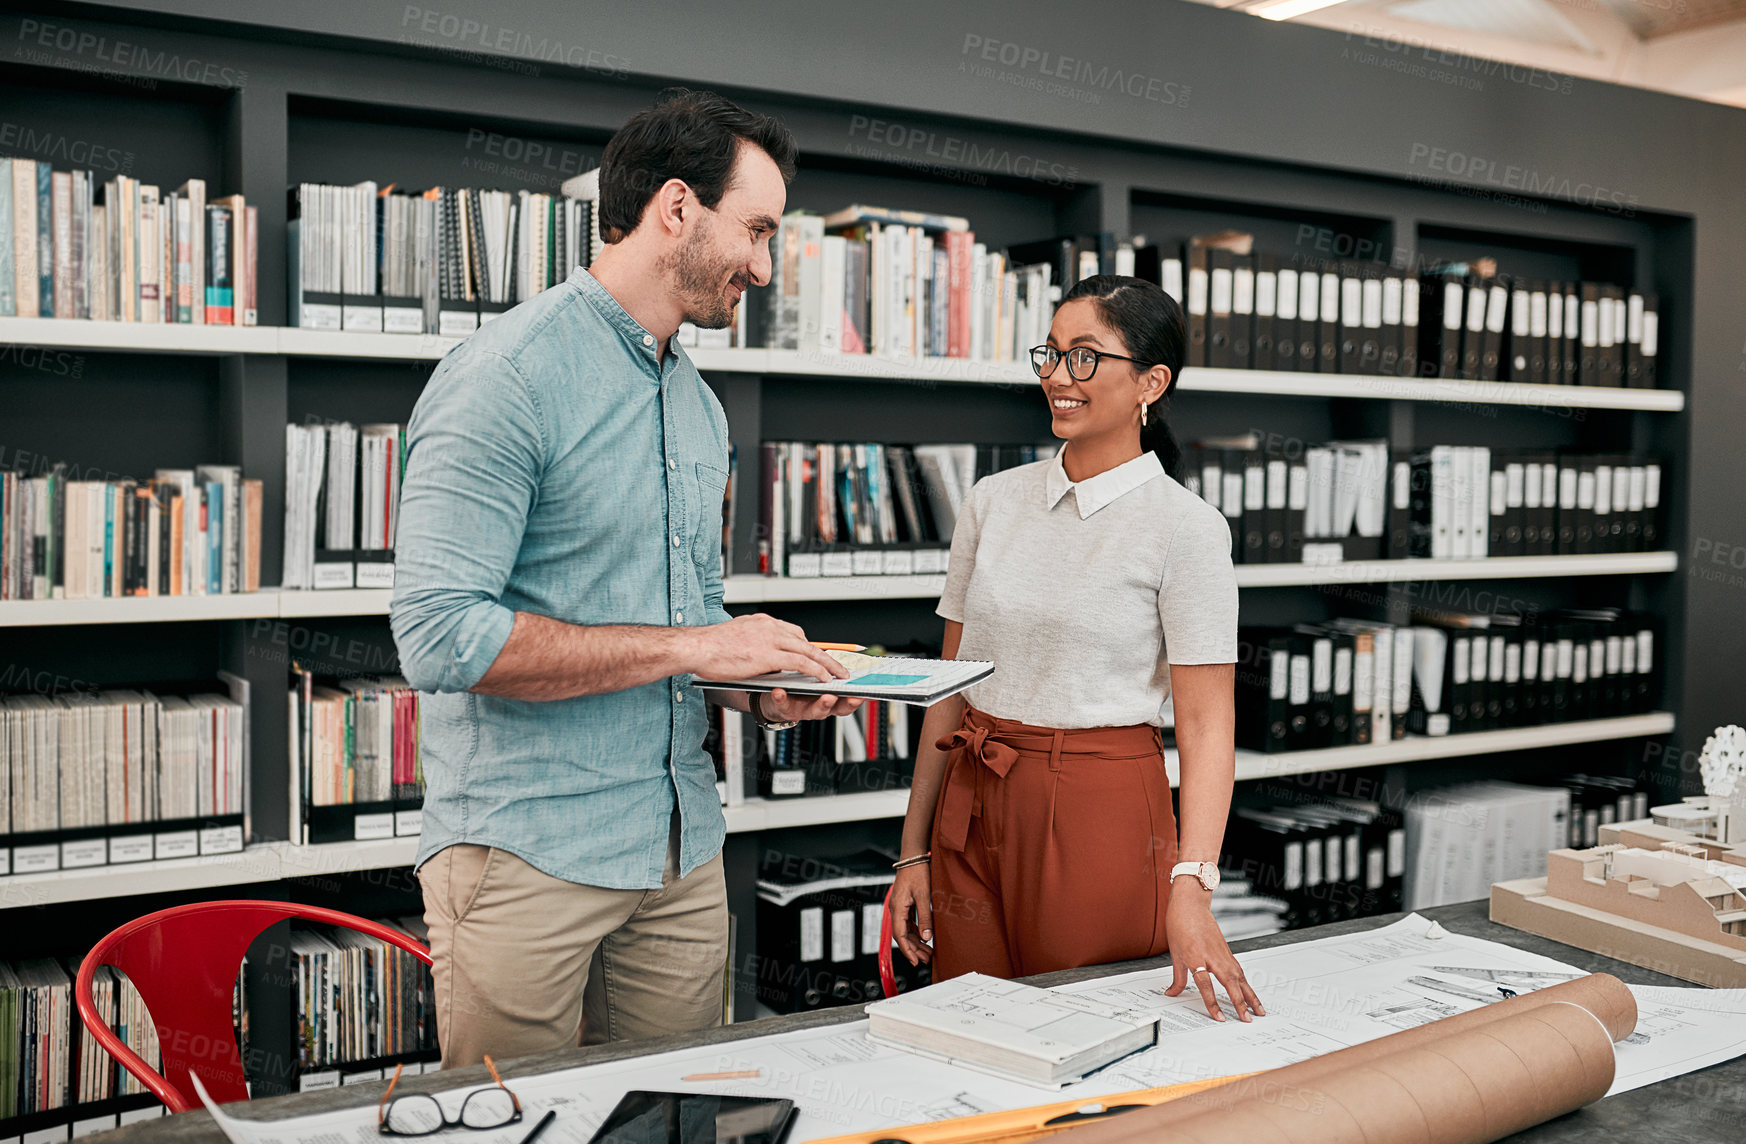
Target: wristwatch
[[1207, 872], [756, 706]]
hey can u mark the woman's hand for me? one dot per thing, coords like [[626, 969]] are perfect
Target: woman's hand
[[1195, 941], [913, 890]]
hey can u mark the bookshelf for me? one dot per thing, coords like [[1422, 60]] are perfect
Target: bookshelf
[[276, 861], [317, 108], [285, 342], [752, 589]]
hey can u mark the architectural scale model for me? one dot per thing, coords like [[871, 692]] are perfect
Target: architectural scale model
[[1667, 893]]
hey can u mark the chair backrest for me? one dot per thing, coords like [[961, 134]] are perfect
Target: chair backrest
[[184, 963]]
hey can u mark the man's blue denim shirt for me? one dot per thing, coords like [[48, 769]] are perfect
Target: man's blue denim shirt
[[554, 466]]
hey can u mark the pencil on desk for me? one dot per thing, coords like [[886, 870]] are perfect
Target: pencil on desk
[[839, 646], [742, 1074]]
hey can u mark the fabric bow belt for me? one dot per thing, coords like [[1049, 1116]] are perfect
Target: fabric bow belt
[[984, 741], [966, 747]]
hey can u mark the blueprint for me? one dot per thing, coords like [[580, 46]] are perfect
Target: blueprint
[[1320, 996]]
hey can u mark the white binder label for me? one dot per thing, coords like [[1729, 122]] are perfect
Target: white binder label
[[842, 935], [1391, 299], [1300, 679], [1396, 853], [1372, 294], [1373, 869], [1409, 302], [1197, 291], [872, 919], [1243, 291], [1331, 863], [1312, 864], [311, 1081], [1266, 295], [408, 823], [812, 933], [788, 782], [130, 848], [1651, 332], [178, 844], [368, 827], [375, 574], [866, 562], [1221, 291], [804, 565], [837, 564], [1288, 294], [1293, 865], [1537, 314], [1590, 324], [1279, 681], [85, 852], [221, 840]]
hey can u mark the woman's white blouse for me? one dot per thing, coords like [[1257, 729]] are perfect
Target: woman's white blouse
[[1082, 594]]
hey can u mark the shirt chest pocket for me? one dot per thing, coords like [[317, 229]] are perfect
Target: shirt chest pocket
[[710, 498]]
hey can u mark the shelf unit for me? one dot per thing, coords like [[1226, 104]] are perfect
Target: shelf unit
[[132, 337], [310, 111], [747, 589], [275, 861]]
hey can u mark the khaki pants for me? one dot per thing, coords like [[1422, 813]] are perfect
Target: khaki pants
[[526, 962]]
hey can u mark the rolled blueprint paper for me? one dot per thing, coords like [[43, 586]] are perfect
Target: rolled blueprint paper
[[1600, 996], [1470, 1087]]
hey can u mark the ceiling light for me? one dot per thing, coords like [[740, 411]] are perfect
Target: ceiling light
[[1289, 9]]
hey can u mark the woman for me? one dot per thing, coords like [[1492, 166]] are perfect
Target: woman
[[1040, 833]]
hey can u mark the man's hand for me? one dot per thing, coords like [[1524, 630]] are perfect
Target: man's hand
[[757, 645], [780, 707]]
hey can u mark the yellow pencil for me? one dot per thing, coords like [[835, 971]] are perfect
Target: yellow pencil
[[838, 646]]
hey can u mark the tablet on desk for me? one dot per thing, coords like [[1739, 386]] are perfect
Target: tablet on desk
[[695, 1118]]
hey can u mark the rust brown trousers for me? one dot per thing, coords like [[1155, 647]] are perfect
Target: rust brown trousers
[[1051, 848]]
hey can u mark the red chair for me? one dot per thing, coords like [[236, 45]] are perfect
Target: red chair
[[184, 963]]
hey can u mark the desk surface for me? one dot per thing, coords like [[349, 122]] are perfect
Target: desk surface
[[1698, 1108]]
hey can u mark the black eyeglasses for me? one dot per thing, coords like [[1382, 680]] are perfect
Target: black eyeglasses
[[1081, 361], [419, 1114]]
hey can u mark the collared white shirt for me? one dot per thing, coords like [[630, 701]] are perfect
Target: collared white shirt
[[1082, 593], [1093, 493]]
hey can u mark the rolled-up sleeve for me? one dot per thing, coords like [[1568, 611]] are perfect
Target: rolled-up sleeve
[[475, 450]]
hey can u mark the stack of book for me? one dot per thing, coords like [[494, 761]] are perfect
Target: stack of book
[[90, 778], [357, 998], [342, 503], [1461, 839], [439, 261], [904, 284], [47, 1058], [868, 509], [184, 532], [1254, 310], [122, 251], [1290, 502], [355, 759], [869, 750], [1327, 859], [1242, 912]]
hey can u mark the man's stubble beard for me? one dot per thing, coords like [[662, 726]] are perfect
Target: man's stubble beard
[[700, 281]]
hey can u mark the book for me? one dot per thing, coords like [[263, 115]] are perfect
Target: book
[[1017, 1031]]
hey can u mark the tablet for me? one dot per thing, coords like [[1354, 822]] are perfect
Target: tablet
[[695, 1118]]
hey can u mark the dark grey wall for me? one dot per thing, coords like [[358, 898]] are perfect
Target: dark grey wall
[[1199, 79]]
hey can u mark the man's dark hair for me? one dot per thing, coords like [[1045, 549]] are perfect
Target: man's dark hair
[[689, 135]]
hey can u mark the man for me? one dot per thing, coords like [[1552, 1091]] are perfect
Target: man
[[558, 581]]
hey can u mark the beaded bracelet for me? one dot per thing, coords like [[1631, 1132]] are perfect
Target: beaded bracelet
[[915, 861]]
